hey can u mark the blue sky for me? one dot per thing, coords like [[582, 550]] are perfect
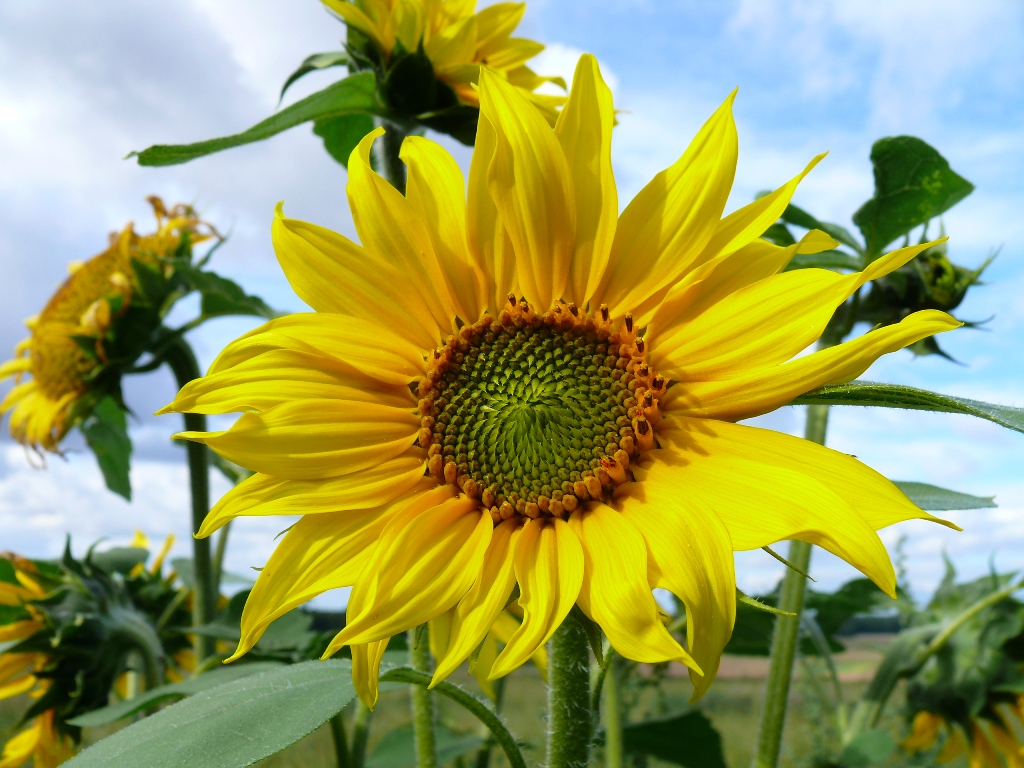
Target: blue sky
[[85, 83]]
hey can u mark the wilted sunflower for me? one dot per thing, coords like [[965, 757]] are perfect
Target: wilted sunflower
[[455, 38], [524, 389], [992, 742], [96, 323]]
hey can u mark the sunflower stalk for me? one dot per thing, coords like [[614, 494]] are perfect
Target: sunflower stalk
[[613, 750], [787, 628], [569, 717], [422, 705], [182, 361]]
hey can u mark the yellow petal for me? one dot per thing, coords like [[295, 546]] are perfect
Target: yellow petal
[[615, 592], [875, 498], [480, 668], [436, 190], [355, 18], [320, 553], [584, 129], [761, 504], [689, 554], [456, 44], [531, 186], [263, 495], [494, 25], [512, 53], [369, 348], [505, 626], [312, 439], [423, 565], [488, 241], [924, 732], [392, 233], [765, 389], [765, 323], [484, 602], [439, 631], [665, 227], [408, 21], [282, 375], [332, 274], [19, 630], [366, 670], [549, 569]]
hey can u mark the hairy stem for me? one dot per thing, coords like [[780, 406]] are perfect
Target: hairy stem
[[183, 363], [787, 628], [422, 704], [569, 717]]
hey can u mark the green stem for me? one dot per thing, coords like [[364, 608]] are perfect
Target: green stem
[[183, 363], [392, 167], [340, 741], [613, 752], [483, 755], [218, 557], [569, 717], [787, 628], [422, 704], [360, 734]]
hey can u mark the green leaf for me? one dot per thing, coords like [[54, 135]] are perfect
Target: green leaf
[[868, 393], [222, 296], [356, 93], [687, 739], [106, 432], [342, 133], [150, 280], [913, 184], [468, 701], [315, 62], [936, 499], [119, 559], [235, 724], [801, 218], [397, 748], [8, 573], [834, 259], [173, 692], [12, 613], [868, 748]]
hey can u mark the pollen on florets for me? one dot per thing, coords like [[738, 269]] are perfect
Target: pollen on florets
[[533, 413]]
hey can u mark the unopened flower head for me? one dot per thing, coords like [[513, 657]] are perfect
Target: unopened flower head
[[90, 329], [519, 389]]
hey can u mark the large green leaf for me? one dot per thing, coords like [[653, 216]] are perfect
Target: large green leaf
[[235, 724], [801, 218], [936, 499], [868, 748], [913, 184], [342, 133], [688, 739], [314, 62], [898, 396], [172, 692], [106, 432], [397, 748], [356, 93]]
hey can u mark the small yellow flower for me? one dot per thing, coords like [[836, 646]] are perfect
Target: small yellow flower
[[66, 351], [456, 38], [524, 388]]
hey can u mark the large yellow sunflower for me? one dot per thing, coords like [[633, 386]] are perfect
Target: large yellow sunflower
[[456, 39], [67, 350], [520, 388]]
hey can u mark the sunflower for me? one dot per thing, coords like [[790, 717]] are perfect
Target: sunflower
[[40, 742], [524, 393], [74, 342], [992, 743], [455, 38]]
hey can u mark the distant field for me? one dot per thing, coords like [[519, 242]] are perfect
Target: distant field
[[733, 705]]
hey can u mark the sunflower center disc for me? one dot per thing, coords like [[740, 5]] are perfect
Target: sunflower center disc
[[521, 413]]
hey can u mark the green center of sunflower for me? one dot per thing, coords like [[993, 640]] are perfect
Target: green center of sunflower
[[532, 414]]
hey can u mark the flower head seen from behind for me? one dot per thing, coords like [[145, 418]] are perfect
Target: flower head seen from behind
[[519, 389], [401, 38], [94, 327]]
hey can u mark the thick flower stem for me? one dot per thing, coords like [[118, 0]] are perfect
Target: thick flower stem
[[613, 753], [392, 168], [422, 704], [787, 628], [569, 716], [183, 363]]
